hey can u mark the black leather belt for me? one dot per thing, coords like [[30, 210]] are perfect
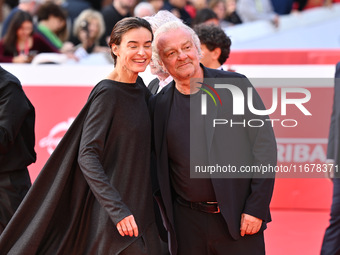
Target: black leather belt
[[207, 207]]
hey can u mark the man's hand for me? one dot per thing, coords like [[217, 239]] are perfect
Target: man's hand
[[128, 226], [250, 225]]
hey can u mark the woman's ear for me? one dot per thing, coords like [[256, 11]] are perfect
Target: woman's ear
[[114, 49]]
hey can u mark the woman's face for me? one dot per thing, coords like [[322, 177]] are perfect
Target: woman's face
[[157, 4], [25, 30], [93, 28], [134, 52], [220, 10]]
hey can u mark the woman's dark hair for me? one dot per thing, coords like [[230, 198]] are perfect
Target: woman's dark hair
[[10, 38], [124, 26]]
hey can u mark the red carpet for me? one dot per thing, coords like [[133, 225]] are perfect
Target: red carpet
[[295, 232]]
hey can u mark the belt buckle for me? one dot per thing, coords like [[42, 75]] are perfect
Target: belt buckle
[[215, 203]]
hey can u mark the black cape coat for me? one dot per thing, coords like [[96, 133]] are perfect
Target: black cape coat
[[60, 214]]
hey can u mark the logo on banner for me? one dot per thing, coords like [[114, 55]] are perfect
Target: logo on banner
[[204, 97], [51, 141], [239, 101]]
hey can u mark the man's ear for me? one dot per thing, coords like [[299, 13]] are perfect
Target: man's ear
[[216, 53]]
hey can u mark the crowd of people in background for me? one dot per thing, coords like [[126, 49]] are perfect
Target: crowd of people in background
[[80, 29]]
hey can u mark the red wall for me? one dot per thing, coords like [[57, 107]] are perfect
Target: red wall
[[283, 57]]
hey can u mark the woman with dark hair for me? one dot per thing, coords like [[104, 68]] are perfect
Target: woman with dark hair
[[20, 44], [93, 196]]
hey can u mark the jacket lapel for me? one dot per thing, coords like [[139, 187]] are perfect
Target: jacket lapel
[[154, 88], [211, 114], [161, 116]]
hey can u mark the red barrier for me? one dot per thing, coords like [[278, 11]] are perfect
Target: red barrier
[[306, 143], [55, 107], [283, 57], [303, 145]]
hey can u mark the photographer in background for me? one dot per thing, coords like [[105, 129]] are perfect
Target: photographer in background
[[89, 28]]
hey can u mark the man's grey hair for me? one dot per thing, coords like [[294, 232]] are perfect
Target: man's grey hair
[[173, 25], [143, 6], [160, 18], [156, 21]]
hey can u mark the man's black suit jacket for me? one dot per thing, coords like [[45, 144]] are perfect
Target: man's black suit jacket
[[239, 146], [333, 148], [153, 86]]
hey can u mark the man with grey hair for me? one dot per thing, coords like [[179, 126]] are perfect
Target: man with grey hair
[[143, 9], [163, 78], [30, 6], [214, 213]]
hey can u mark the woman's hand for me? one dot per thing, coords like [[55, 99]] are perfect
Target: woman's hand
[[128, 226], [21, 59]]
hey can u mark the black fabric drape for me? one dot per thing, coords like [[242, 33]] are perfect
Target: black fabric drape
[[60, 214]]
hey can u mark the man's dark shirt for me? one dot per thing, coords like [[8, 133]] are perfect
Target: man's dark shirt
[[183, 153]]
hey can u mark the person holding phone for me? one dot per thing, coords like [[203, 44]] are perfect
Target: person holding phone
[[20, 44]]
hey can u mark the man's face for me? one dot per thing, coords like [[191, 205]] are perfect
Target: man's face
[[207, 56], [33, 7], [127, 4], [178, 3], [210, 57], [157, 4], [178, 54]]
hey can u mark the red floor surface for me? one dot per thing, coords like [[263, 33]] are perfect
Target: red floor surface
[[296, 232]]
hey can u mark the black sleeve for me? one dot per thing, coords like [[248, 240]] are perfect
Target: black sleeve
[[265, 153], [96, 126], [332, 128], [13, 111], [147, 92]]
